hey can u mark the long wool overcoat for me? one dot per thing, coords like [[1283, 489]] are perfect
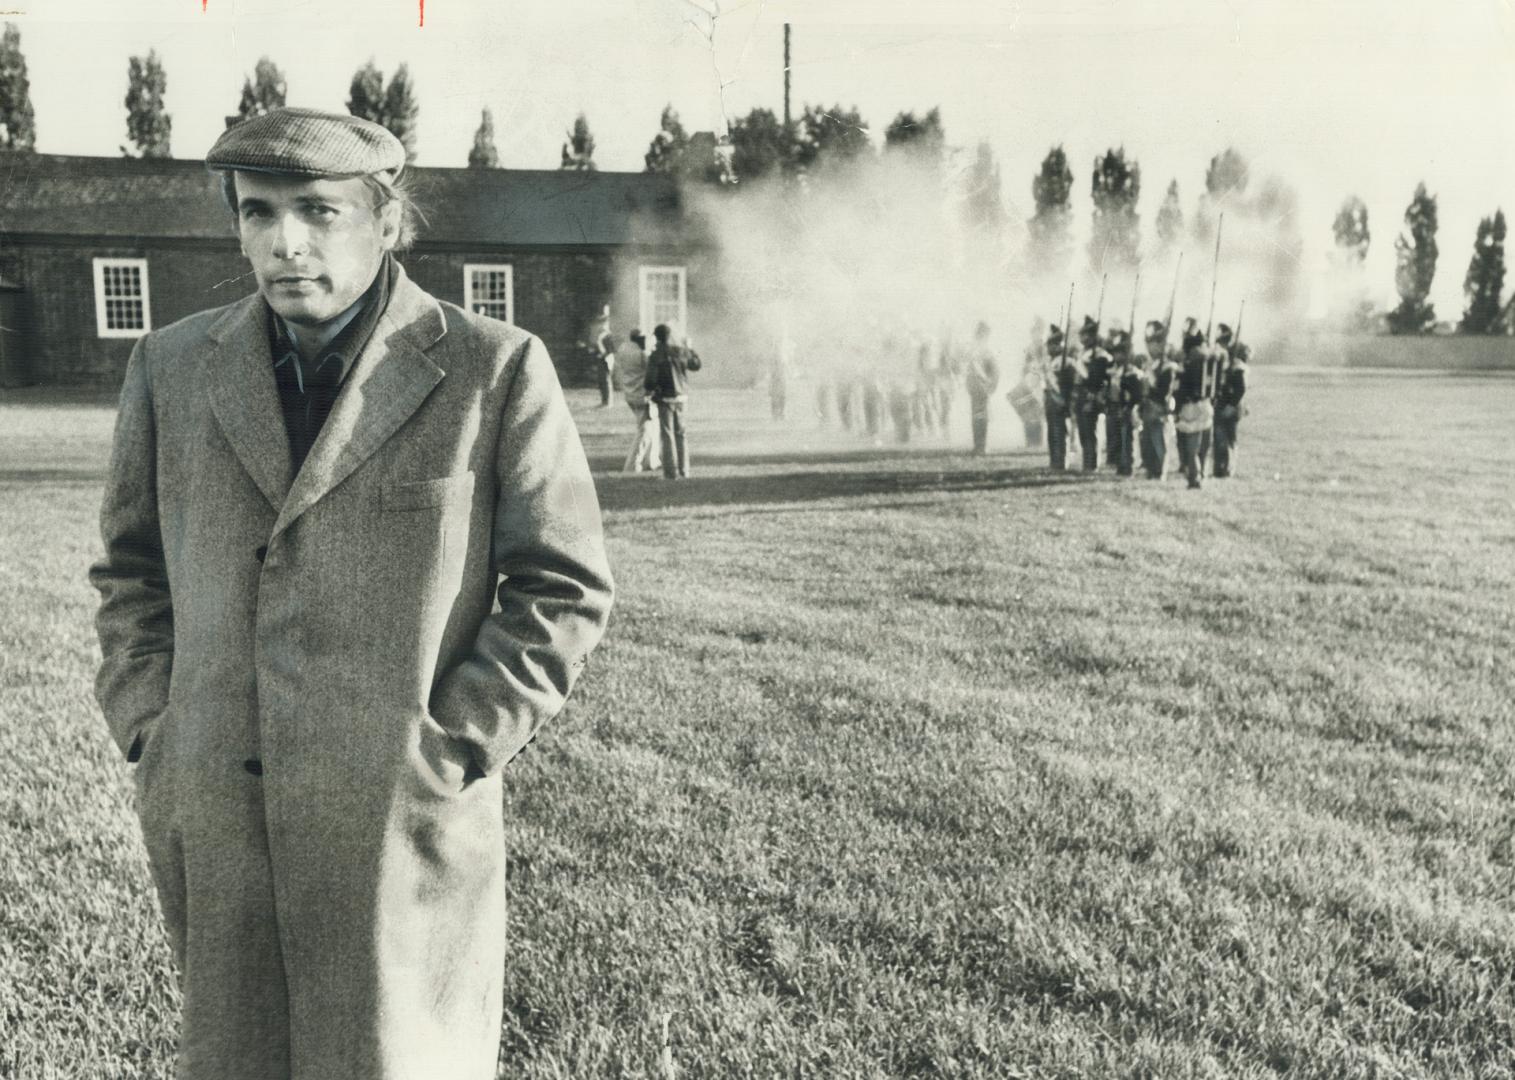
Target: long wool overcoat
[[318, 688]]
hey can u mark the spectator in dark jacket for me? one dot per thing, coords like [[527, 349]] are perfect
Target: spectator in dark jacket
[[667, 385]]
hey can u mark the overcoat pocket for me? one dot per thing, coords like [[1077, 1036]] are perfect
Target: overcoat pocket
[[423, 494], [442, 762]]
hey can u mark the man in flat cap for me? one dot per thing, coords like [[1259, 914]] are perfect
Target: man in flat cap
[[353, 561]]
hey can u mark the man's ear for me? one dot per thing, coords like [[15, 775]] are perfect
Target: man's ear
[[389, 224]]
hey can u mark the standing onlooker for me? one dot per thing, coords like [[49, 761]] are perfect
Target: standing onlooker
[[981, 377], [631, 375], [667, 384], [604, 356]]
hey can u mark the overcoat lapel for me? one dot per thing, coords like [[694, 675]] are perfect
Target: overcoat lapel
[[245, 398], [387, 384]]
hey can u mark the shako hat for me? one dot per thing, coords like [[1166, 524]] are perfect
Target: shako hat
[[1090, 327], [1223, 334], [309, 143], [1156, 329], [1193, 336]]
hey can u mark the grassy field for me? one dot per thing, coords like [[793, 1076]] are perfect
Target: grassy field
[[916, 764]]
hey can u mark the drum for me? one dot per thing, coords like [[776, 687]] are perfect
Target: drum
[[1026, 403]]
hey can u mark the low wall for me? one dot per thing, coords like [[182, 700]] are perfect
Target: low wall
[[1430, 351]]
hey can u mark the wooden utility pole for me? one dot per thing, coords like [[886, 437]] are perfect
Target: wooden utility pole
[[787, 120]]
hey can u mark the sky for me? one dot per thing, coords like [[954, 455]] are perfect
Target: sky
[[1364, 97]]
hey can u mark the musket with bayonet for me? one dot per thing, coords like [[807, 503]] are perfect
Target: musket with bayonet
[[1099, 318], [1068, 325], [1212, 361], [1172, 303], [1099, 310]]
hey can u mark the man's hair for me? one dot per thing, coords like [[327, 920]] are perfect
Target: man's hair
[[385, 188]]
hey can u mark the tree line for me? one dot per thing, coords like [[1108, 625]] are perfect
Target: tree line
[[759, 146]]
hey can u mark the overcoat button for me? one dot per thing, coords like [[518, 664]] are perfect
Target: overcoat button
[[261, 553], [254, 766]]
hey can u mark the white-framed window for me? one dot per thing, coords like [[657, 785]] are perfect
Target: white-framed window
[[489, 289], [121, 302], [664, 292]]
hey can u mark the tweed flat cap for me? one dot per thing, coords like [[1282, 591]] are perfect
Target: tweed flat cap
[[307, 142]]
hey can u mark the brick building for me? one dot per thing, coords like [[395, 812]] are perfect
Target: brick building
[[95, 252]]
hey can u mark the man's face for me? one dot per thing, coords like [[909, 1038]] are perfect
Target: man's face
[[314, 245]]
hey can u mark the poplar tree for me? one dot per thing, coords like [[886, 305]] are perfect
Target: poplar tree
[[1052, 189], [148, 124], [1350, 231], [1350, 239], [18, 126], [1415, 266], [394, 106], [1116, 235], [1485, 278], [402, 110], [982, 205], [264, 91], [665, 154], [484, 155], [1170, 219], [578, 151], [1226, 181]]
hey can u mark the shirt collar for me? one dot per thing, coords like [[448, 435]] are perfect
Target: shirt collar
[[344, 337]]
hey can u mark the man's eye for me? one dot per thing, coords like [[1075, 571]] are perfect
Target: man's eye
[[254, 213], [322, 212]]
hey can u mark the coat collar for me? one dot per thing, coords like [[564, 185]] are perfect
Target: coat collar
[[388, 382]]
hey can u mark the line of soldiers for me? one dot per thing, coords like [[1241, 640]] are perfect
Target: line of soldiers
[[908, 388], [1199, 387]]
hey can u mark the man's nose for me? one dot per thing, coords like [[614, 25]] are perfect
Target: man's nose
[[291, 237]]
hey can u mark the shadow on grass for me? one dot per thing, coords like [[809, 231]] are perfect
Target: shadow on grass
[[82, 474], [620, 491]]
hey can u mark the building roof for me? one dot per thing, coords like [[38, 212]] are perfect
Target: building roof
[[134, 198]]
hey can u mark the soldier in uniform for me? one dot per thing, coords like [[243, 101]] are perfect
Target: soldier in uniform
[[1057, 396], [1090, 391], [873, 405], [1127, 391], [1158, 375], [1112, 395], [1219, 355], [981, 377], [1026, 396], [1192, 396], [845, 389], [1230, 389]]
